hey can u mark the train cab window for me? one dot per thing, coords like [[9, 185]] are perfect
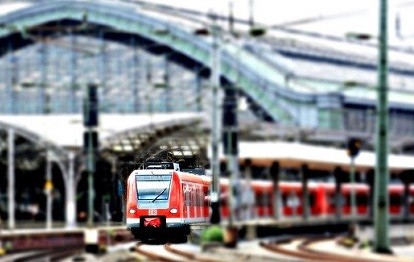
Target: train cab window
[[153, 190]]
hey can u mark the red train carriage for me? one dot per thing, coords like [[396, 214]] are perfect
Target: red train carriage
[[290, 198], [321, 197], [162, 201], [361, 192]]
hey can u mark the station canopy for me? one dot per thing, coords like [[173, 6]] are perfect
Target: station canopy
[[133, 134]]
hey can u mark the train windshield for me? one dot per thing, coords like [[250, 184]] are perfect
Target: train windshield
[[153, 189]]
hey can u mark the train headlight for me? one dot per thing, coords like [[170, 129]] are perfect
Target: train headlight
[[173, 211], [132, 211]]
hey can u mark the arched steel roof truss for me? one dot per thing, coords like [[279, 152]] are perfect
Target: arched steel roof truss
[[261, 82]]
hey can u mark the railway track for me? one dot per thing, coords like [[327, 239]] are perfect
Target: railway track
[[172, 253], [303, 249], [288, 249]]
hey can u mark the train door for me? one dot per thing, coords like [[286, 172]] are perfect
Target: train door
[[195, 200], [193, 196], [186, 195], [200, 201], [206, 202]]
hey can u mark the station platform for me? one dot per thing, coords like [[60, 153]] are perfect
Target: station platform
[[21, 239], [400, 253], [401, 238]]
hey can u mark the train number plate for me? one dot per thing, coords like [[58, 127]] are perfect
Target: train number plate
[[152, 212]]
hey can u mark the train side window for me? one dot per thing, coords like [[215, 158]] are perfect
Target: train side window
[[411, 200], [199, 197], [331, 199], [395, 200], [284, 199], [311, 199], [206, 198], [259, 199], [183, 192], [191, 196], [223, 200], [293, 200], [362, 199], [196, 196], [223, 197], [187, 195], [347, 199], [265, 199], [342, 200]]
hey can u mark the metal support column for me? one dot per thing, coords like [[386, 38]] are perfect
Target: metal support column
[[353, 212], [73, 78], [91, 116], [167, 91], [148, 84], [305, 195], [230, 148], [71, 193], [11, 79], [274, 173], [215, 128], [43, 95], [103, 62], [251, 229], [250, 194], [381, 219], [90, 158], [10, 173], [338, 196], [134, 82], [198, 82], [406, 200], [48, 189]]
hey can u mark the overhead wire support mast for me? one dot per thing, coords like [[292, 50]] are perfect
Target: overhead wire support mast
[[381, 219], [215, 128]]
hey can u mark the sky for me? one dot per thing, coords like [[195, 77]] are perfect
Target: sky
[[334, 16]]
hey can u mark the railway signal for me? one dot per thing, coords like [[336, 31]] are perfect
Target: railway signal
[[354, 146], [90, 141], [90, 107]]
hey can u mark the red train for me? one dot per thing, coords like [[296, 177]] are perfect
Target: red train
[[163, 201]]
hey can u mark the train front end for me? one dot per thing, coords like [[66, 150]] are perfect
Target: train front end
[[153, 208]]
